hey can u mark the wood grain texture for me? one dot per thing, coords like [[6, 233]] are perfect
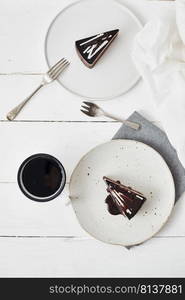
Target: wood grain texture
[[54, 103], [20, 216], [89, 258]]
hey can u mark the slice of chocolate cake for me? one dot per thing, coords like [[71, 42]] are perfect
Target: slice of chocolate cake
[[92, 48], [125, 200]]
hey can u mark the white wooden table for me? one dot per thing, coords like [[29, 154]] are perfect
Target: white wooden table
[[46, 239]]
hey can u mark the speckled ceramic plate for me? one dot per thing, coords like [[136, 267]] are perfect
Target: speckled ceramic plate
[[134, 164]]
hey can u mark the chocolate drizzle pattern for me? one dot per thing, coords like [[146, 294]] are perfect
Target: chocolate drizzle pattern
[[92, 48], [122, 199]]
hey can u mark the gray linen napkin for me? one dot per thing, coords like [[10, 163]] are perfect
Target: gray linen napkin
[[157, 139]]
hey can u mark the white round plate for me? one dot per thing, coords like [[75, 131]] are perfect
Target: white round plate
[[115, 73], [134, 164]]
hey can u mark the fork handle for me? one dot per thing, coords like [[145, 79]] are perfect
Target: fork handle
[[130, 124], [15, 111]]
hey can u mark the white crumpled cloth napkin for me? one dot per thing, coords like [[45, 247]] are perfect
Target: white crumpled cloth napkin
[[159, 55]]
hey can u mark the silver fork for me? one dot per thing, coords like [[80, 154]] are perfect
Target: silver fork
[[93, 110], [49, 77]]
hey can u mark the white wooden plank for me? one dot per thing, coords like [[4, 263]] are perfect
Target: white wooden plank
[[56, 104], [23, 26], [90, 258], [66, 141], [21, 216]]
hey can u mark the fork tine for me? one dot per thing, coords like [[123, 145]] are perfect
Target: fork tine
[[86, 112], [88, 103], [59, 70], [86, 107], [91, 105], [55, 66]]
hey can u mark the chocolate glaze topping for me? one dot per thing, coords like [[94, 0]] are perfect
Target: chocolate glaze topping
[[122, 199]]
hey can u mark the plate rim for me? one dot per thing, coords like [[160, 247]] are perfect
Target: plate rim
[[135, 82], [173, 196]]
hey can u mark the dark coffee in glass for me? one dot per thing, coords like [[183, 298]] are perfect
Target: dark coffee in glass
[[41, 177]]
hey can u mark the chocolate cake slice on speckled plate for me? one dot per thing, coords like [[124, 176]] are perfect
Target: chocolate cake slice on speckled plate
[[122, 199]]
